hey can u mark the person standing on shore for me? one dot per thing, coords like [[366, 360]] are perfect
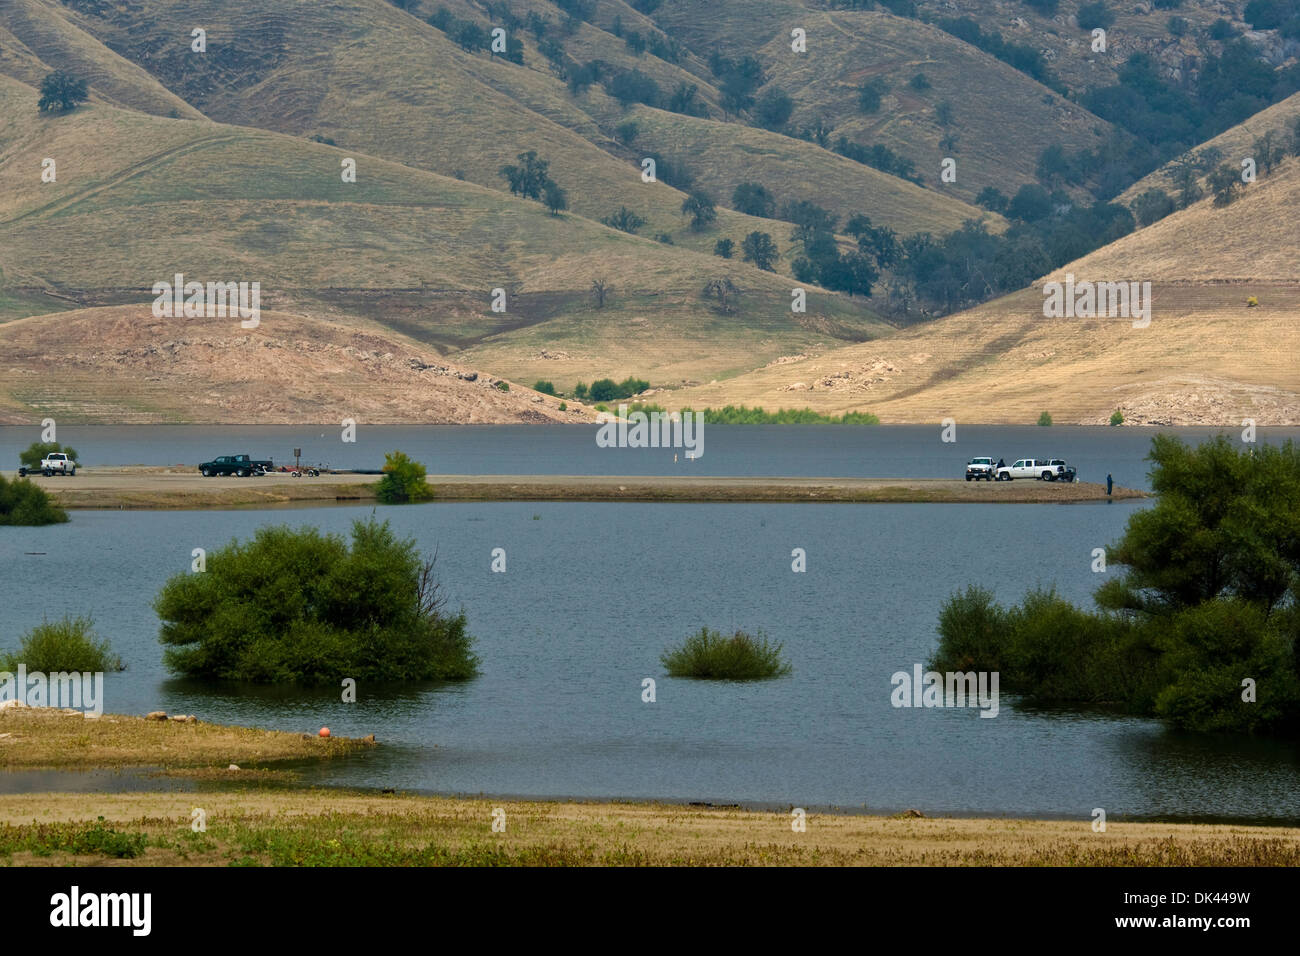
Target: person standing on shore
[[1110, 483]]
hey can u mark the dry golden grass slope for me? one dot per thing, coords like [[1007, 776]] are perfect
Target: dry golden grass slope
[[1206, 357], [1235, 144], [122, 365], [794, 169], [1002, 118], [588, 42], [401, 249], [453, 112], [1138, 27], [37, 38], [329, 67]]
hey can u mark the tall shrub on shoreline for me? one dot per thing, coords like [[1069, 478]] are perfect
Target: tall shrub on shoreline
[[298, 606], [404, 480]]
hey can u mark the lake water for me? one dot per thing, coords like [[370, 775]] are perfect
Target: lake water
[[882, 451], [594, 592]]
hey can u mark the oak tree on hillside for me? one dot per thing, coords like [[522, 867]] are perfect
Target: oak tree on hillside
[[759, 249], [699, 206], [62, 92], [529, 178]]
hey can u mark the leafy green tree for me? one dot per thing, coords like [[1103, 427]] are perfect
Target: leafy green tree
[[62, 92], [1091, 16], [1031, 203], [545, 387], [773, 109], [529, 178], [992, 199], [625, 219], [1117, 417], [23, 502], [633, 86], [298, 606], [699, 206], [1152, 206], [685, 101], [404, 480], [724, 248], [920, 82], [871, 95], [555, 198], [753, 199], [1224, 182], [1206, 598], [1045, 418], [625, 132], [758, 248]]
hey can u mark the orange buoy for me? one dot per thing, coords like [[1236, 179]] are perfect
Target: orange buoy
[[324, 731]]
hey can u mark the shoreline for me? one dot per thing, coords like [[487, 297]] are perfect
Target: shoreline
[[262, 814], [161, 488]]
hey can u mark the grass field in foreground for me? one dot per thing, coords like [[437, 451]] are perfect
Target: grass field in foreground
[[272, 826]]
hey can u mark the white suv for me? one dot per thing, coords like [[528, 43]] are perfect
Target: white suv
[[978, 468], [1042, 468]]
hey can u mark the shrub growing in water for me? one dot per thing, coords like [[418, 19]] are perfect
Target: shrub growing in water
[[22, 502], [68, 644], [297, 606], [1208, 596], [404, 480], [711, 656]]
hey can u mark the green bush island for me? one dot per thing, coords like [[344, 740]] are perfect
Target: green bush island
[[68, 644], [298, 606], [710, 655]]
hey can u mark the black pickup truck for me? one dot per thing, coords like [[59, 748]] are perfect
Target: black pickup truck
[[239, 465]]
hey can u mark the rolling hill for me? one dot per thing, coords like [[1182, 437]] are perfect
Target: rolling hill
[[1000, 118], [1207, 357], [120, 364], [400, 249]]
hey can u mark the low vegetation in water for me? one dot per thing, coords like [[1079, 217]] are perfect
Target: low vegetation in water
[[711, 656], [22, 502], [1199, 628], [298, 606], [68, 644]]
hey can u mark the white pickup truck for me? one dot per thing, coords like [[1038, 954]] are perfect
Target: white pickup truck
[[58, 464], [1045, 469]]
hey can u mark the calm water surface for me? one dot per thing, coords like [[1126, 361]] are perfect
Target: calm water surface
[[884, 451], [594, 592]]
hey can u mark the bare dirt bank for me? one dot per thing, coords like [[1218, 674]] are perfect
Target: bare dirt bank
[[162, 488]]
